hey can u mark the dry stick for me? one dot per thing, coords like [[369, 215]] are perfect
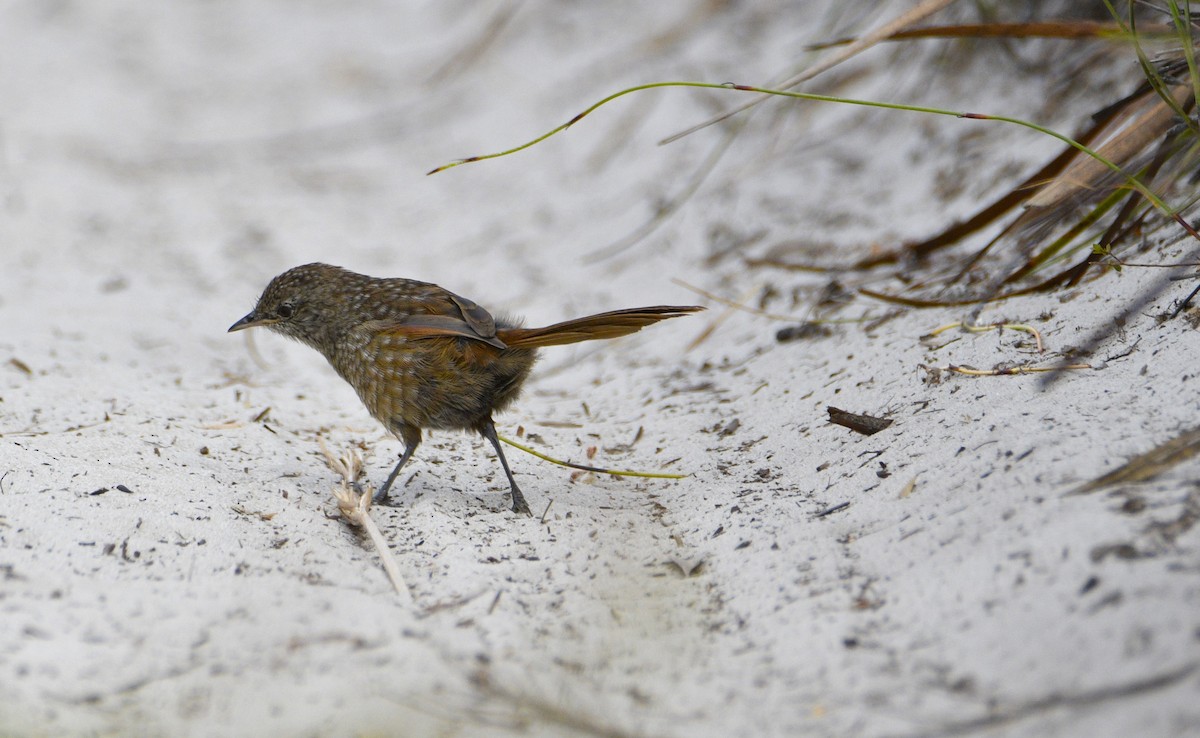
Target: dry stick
[[917, 14], [355, 506]]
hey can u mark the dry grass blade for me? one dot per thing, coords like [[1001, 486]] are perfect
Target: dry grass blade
[[1137, 128], [1001, 207], [990, 327], [917, 302], [1148, 465], [1144, 124], [1081, 198], [354, 503], [1008, 371], [1072, 29]]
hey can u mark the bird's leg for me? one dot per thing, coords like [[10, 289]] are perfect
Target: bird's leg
[[488, 431], [411, 438], [381, 497]]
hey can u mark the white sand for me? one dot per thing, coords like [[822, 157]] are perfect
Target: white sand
[[168, 563]]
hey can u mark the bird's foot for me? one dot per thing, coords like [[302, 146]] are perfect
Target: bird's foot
[[520, 507], [384, 500]]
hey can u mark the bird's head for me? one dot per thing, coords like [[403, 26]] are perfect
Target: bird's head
[[301, 303]]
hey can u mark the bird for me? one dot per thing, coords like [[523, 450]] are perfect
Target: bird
[[421, 357]]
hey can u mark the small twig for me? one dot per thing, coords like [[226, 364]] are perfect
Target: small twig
[[1186, 302], [971, 371], [990, 327], [354, 503], [584, 467], [832, 510]]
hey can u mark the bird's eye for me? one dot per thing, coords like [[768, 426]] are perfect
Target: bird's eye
[[285, 310]]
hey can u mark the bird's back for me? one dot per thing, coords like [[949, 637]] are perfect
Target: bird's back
[[442, 382]]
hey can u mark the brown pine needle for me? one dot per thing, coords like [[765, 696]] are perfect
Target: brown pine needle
[[585, 467]]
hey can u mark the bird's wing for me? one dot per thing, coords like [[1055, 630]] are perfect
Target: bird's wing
[[417, 327], [480, 320]]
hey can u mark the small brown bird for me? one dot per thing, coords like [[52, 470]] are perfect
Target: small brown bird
[[420, 356]]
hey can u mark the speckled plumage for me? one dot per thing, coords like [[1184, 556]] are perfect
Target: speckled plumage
[[420, 356]]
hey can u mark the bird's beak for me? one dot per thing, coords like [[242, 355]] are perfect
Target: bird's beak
[[249, 321]]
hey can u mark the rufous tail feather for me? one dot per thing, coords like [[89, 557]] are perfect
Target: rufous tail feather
[[594, 327]]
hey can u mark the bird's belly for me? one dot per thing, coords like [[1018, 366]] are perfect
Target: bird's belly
[[436, 384]]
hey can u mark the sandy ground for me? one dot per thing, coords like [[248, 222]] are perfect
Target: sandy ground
[[168, 560]]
